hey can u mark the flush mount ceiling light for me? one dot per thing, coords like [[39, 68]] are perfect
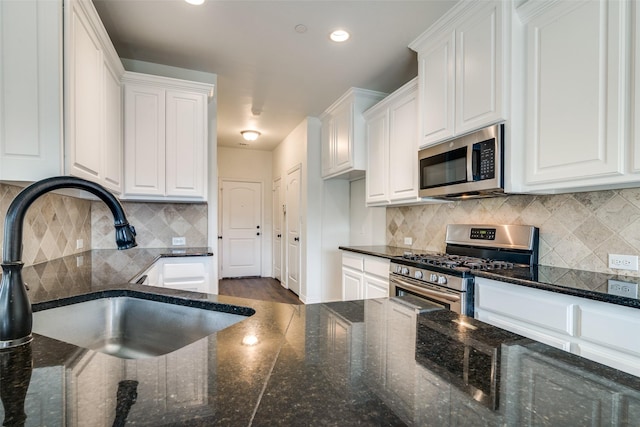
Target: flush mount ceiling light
[[250, 135], [339, 36], [195, 2]]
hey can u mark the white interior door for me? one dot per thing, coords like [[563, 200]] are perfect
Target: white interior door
[[277, 229], [292, 216], [241, 229]]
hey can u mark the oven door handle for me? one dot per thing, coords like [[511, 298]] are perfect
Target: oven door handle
[[427, 291]]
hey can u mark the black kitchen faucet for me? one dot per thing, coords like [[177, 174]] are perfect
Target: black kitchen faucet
[[15, 308]]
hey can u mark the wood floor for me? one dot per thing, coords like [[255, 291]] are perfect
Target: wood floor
[[260, 288]]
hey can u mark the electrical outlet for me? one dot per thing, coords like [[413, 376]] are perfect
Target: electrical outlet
[[623, 262], [79, 244], [79, 261], [408, 241], [623, 289], [179, 241]]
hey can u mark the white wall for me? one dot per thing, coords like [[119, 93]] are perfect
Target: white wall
[[324, 210], [255, 166], [367, 225]]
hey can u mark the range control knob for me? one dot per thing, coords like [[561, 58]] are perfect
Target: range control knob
[[405, 271], [398, 269], [433, 277], [418, 274], [442, 280]]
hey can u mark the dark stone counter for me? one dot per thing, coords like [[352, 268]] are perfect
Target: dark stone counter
[[376, 362], [580, 283]]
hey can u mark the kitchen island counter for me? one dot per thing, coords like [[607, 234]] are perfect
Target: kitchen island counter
[[373, 362]]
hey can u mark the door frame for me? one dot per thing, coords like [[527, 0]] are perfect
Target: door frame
[[277, 218], [285, 226], [221, 209]]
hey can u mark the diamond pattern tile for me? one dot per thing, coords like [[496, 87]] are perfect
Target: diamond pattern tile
[[577, 230], [155, 223], [52, 225]]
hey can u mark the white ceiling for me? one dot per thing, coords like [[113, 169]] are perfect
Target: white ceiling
[[269, 76]]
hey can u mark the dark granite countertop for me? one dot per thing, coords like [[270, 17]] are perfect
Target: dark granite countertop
[[580, 283], [382, 362]]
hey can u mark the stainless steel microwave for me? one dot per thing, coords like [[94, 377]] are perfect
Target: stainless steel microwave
[[468, 166]]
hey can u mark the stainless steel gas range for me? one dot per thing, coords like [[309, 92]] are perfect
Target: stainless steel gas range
[[447, 279]]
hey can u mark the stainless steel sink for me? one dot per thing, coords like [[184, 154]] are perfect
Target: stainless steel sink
[[133, 328]]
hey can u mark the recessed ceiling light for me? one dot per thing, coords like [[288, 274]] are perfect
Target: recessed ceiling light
[[300, 28], [195, 2], [250, 135], [339, 36]]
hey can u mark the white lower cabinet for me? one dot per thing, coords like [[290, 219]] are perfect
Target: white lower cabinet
[[189, 273], [595, 330], [364, 276]]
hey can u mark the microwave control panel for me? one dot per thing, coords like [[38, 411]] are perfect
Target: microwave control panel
[[484, 165]]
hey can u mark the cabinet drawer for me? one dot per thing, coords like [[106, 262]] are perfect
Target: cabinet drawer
[[609, 325], [549, 310], [353, 261], [377, 266]]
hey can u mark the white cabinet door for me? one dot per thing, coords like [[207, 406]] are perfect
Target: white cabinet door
[[186, 140], [113, 131], [342, 146], [84, 74], [437, 84], [352, 284], [93, 96], [375, 287], [479, 69], [30, 89], [576, 87], [377, 158], [403, 134], [144, 111]]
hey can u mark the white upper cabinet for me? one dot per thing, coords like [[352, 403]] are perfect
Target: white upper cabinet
[[392, 131], [462, 61], [30, 89], [343, 134], [93, 94], [165, 122], [577, 94]]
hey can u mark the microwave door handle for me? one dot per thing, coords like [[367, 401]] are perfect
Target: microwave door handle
[[427, 291], [475, 164]]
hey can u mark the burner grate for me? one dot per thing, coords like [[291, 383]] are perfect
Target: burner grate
[[453, 261]]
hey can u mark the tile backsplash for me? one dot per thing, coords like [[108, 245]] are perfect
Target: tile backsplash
[[52, 226], [577, 230], [155, 223]]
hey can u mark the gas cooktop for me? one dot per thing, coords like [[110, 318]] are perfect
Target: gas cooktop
[[455, 261]]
